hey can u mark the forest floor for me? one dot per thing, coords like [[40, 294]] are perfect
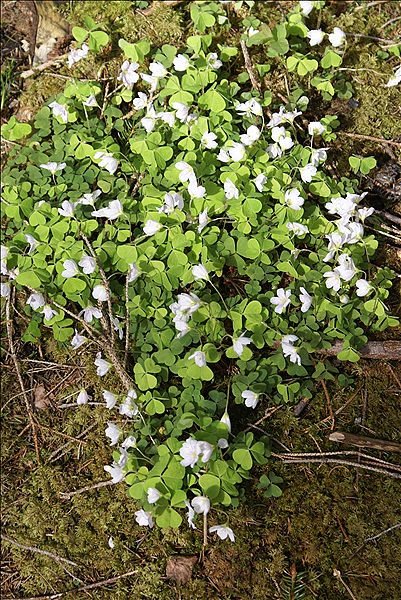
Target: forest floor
[[320, 539]]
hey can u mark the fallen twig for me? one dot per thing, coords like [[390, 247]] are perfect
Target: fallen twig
[[38, 551], [388, 216], [364, 442], [248, 66], [17, 370], [42, 67], [375, 537], [390, 350], [68, 495], [295, 461], [370, 138], [337, 575], [90, 586]]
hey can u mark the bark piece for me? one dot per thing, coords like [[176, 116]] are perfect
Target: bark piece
[[180, 568], [364, 442], [390, 350]]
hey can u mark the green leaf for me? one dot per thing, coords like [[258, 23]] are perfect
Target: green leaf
[[331, 59], [155, 407], [79, 34], [97, 39], [243, 457], [210, 485], [29, 278], [348, 354], [169, 518], [248, 247], [213, 101]]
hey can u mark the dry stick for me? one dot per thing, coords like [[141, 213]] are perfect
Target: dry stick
[[104, 100], [84, 588], [364, 442], [249, 67], [389, 22], [369, 137], [389, 350], [251, 426], [204, 529], [68, 437], [370, 37], [388, 216], [326, 393], [49, 63], [375, 537], [67, 445], [126, 320], [17, 370], [337, 574], [38, 551], [344, 462], [302, 455], [68, 495]]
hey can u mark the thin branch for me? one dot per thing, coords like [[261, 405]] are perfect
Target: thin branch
[[126, 320], [370, 37], [369, 137], [68, 495], [84, 588], [249, 67], [38, 551], [388, 216], [337, 575], [389, 22], [343, 462], [375, 537], [42, 67], [18, 372]]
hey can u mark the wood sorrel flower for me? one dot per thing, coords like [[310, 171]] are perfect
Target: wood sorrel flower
[[144, 519], [223, 532]]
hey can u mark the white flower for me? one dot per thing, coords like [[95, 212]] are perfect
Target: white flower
[[48, 312], [70, 269], [32, 243], [83, 397], [128, 407], [153, 495], [394, 79], [365, 212], [150, 120], [306, 6], [249, 108], [102, 365], [252, 31], [99, 292], [141, 101], [90, 101], [346, 268], [200, 272], [337, 38], [53, 167], [191, 514], [144, 519], [307, 173], [128, 74], [151, 227], [182, 111], [133, 272], [364, 287], [188, 303], [213, 61], [283, 117], [289, 350], [344, 299], [77, 54], [88, 264], [252, 135], [223, 155], [319, 155], [189, 452], [107, 161], [353, 231], [305, 299], [90, 313], [201, 505], [293, 199], [316, 128], [240, 343], [195, 190], [129, 442], [157, 69], [171, 201], [36, 301], [315, 36], [281, 301], [115, 471], [89, 199], [5, 290], [113, 432], [297, 228], [237, 151], [208, 140], [199, 357], [110, 398], [181, 62], [153, 81], [78, 340], [230, 189], [333, 280], [111, 542], [336, 241], [251, 399], [260, 182], [279, 135], [222, 443], [67, 208], [226, 420], [59, 110], [182, 327], [223, 532], [186, 171], [206, 450], [112, 211], [203, 220]]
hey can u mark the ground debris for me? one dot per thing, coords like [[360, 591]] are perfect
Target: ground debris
[[180, 568]]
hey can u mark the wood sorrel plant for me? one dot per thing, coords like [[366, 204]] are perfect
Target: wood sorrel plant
[[201, 246]]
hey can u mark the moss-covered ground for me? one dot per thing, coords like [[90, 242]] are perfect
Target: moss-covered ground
[[326, 511]]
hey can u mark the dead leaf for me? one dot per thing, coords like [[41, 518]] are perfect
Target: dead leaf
[[42, 401], [180, 568]]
